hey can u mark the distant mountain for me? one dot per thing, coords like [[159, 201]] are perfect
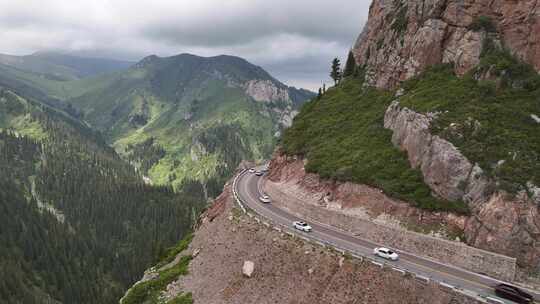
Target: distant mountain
[[53, 77], [191, 117], [58, 66]]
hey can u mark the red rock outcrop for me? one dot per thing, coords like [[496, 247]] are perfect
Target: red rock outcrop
[[403, 37], [498, 222]]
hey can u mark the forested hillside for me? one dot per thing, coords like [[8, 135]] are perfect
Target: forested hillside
[[79, 225]]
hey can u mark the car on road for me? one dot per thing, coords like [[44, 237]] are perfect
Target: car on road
[[385, 253], [252, 170], [259, 173], [265, 199], [303, 226], [513, 293]]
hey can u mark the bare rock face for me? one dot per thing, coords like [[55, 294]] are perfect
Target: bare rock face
[[446, 171], [498, 222], [265, 91], [403, 37], [507, 226]]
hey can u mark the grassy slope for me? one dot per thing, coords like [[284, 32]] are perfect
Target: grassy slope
[[343, 137], [490, 121], [148, 292], [14, 114], [224, 126], [487, 123]]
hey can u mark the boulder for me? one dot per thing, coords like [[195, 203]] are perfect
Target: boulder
[[248, 268]]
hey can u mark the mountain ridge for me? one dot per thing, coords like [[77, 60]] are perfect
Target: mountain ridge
[[194, 98]]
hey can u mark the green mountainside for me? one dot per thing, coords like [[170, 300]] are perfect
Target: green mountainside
[[79, 225], [489, 119], [189, 117], [100, 174]]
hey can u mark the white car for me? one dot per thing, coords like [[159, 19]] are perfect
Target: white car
[[303, 226], [265, 199], [386, 253], [251, 170], [259, 173]]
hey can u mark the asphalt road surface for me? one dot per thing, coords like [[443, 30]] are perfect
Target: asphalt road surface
[[248, 189]]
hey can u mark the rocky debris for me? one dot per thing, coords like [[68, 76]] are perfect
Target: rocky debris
[[356, 200], [446, 251], [446, 171], [217, 208], [401, 38], [247, 269], [283, 268]]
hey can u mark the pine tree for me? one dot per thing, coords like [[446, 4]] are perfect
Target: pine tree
[[319, 95], [350, 66], [335, 73]]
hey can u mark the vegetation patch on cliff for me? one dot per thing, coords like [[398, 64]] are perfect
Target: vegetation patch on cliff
[[343, 137], [149, 291], [491, 122]]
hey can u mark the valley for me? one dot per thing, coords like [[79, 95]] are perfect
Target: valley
[[412, 176]]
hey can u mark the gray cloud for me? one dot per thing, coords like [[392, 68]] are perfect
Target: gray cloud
[[295, 40]]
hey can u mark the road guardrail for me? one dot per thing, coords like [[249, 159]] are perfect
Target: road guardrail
[[358, 255]]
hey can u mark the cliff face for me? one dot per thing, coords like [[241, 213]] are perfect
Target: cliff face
[[498, 222], [403, 37]]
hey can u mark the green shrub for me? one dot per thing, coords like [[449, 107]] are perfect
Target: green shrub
[[401, 20], [172, 252], [149, 290], [484, 23], [343, 137]]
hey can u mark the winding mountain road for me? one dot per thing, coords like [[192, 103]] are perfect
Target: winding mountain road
[[248, 190]]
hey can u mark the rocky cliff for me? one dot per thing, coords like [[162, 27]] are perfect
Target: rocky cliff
[[499, 222], [403, 37]]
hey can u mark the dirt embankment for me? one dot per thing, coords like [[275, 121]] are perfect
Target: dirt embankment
[[360, 201], [286, 270]]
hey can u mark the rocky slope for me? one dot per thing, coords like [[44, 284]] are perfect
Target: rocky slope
[[403, 37], [499, 222], [285, 270]]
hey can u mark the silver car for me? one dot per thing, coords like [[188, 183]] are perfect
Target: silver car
[[303, 226], [265, 199], [386, 253]]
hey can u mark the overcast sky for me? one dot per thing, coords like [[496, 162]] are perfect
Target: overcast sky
[[294, 40]]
